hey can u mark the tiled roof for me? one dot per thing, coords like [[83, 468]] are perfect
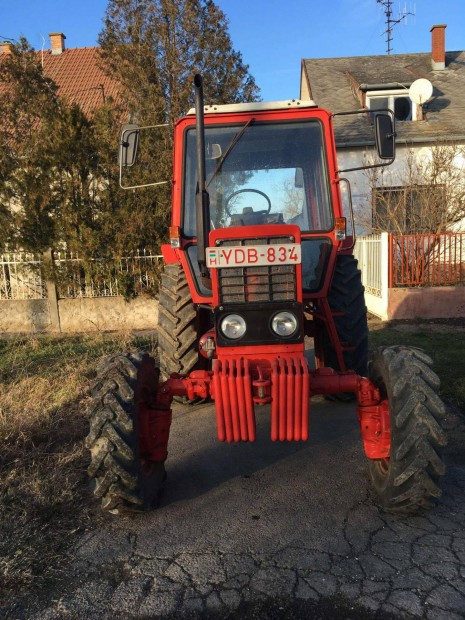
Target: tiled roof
[[79, 77], [334, 83]]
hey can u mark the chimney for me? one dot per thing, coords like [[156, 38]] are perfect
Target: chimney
[[57, 42], [6, 47], [438, 47]]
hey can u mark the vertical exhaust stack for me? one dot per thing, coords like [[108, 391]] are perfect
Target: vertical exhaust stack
[[202, 197]]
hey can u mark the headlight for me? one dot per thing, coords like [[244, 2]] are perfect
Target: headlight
[[284, 324], [233, 326]]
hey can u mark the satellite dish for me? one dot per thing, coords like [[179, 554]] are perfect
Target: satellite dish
[[420, 91]]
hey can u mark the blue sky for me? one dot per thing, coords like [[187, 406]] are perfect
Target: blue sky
[[273, 36]]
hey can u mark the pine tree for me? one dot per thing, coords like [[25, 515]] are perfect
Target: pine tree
[[58, 168], [28, 103], [153, 48], [48, 157]]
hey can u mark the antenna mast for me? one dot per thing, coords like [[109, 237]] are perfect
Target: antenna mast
[[391, 22]]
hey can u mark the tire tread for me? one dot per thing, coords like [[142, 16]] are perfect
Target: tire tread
[[415, 464], [114, 464], [177, 333]]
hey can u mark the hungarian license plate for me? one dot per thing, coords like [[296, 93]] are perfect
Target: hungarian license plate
[[251, 255]]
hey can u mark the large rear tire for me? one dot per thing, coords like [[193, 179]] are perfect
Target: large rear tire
[[407, 481], [346, 297], [177, 328], [121, 479]]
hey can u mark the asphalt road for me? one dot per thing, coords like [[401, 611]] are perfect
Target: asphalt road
[[271, 531]]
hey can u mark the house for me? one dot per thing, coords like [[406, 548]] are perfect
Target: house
[[76, 71], [376, 82]]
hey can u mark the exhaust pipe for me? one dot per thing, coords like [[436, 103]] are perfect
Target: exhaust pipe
[[202, 197]]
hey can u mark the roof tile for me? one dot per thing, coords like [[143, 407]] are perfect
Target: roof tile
[[79, 76], [332, 87]]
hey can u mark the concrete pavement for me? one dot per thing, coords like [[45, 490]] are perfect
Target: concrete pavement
[[272, 531]]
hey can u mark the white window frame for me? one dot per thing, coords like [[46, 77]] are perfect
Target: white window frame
[[391, 95]]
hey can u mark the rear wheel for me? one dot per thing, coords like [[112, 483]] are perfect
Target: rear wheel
[[408, 480], [346, 297], [177, 328], [121, 478]]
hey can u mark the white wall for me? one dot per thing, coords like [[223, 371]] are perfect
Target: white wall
[[391, 175]]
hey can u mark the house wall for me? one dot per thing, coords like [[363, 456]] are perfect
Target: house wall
[[304, 89], [389, 176], [78, 315]]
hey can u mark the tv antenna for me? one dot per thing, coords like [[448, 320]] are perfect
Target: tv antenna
[[391, 21]]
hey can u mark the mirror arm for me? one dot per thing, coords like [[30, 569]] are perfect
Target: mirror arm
[[121, 145], [393, 135], [387, 163]]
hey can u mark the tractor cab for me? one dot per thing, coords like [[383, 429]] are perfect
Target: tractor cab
[[265, 164]]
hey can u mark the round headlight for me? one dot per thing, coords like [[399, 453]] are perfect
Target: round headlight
[[284, 324], [233, 326]]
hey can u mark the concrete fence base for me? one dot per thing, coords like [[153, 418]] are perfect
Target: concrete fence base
[[113, 313], [438, 302], [77, 315]]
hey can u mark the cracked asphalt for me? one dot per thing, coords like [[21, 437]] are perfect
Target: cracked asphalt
[[272, 531]]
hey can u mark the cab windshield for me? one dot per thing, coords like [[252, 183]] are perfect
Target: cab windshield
[[273, 173]]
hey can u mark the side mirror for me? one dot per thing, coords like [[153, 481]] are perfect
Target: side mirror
[[128, 146], [213, 151], [385, 136]]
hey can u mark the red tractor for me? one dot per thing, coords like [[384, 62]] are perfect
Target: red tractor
[[259, 257]]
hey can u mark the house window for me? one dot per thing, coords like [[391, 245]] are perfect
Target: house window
[[407, 210], [397, 101]]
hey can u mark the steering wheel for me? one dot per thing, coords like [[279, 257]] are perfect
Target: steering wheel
[[242, 191]]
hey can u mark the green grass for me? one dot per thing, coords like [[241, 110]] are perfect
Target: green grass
[[447, 349]]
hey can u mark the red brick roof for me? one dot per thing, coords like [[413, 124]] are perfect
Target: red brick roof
[[77, 73], [79, 78]]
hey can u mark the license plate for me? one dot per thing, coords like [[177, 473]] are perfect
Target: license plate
[[251, 255]]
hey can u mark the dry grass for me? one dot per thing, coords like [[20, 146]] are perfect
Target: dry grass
[[44, 496]]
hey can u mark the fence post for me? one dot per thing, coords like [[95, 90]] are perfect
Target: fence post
[[385, 257], [391, 260], [52, 294]]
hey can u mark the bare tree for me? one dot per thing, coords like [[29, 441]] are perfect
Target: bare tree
[[417, 204], [426, 196]]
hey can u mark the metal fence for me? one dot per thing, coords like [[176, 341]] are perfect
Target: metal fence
[[427, 260], [372, 253], [22, 275], [368, 253]]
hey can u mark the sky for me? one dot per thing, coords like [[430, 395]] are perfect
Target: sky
[[273, 36]]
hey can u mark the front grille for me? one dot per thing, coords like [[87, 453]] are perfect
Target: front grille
[[255, 284]]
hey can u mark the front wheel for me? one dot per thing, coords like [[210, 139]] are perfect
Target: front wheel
[[121, 478], [408, 480]]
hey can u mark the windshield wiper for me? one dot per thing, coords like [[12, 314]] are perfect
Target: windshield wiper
[[232, 144]]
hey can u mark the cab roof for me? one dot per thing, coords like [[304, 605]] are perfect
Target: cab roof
[[258, 106]]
